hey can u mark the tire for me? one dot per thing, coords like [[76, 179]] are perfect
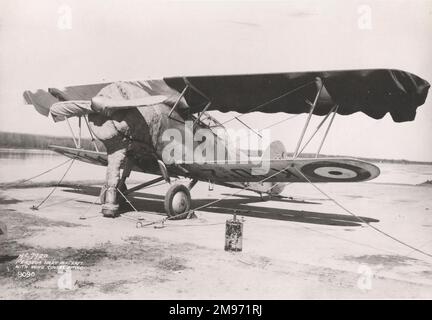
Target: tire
[[177, 200]]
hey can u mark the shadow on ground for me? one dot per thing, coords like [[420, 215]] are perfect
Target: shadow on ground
[[243, 206]]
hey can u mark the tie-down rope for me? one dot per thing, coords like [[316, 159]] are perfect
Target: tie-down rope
[[139, 224], [54, 188], [18, 182], [361, 219]]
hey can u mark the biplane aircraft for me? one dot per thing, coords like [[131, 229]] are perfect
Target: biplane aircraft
[[131, 119]]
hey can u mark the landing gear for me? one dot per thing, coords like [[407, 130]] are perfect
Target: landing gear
[[177, 200]]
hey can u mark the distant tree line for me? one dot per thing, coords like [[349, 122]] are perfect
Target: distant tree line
[[35, 141]]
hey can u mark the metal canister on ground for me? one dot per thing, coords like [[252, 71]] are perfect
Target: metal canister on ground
[[233, 235]]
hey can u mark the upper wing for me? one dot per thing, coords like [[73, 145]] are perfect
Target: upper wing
[[104, 97], [75, 108], [284, 170], [374, 92]]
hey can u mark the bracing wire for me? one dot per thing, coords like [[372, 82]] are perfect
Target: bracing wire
[[271, 101]]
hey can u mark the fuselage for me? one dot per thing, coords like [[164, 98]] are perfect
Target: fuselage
[[143, 135]]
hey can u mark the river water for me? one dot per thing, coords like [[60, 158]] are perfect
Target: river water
[[17, 164]]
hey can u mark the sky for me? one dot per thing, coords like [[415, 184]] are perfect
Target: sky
[[55, 43]]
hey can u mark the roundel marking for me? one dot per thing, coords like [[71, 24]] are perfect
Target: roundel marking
[[329, 171], [335, 172]]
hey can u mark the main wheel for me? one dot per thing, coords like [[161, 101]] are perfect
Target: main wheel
[[177, 200]]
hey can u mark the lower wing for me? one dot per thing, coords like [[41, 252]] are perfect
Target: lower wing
[[284, 170], [93, 157], [275, 170]]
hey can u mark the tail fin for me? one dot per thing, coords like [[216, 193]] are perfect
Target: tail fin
[[276, 150]]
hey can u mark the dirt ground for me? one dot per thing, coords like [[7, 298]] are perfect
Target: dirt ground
[[303, 246]]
